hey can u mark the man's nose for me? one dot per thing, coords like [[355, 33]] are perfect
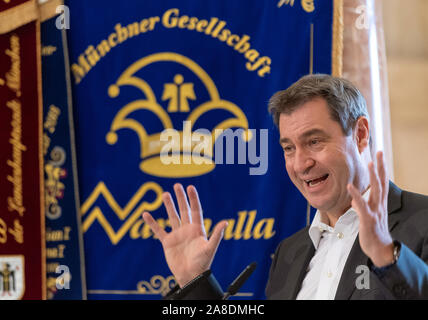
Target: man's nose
[[303, 161]]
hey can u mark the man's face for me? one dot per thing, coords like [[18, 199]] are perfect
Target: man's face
[[319, 158]]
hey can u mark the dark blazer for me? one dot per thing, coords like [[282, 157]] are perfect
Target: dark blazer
[[407, 279]]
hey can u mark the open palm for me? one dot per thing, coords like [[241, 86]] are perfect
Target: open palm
[[188, 251]]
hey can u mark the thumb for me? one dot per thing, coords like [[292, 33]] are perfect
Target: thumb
[[216, 236]]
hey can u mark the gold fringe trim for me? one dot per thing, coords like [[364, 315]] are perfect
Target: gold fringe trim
[[41, 158], [48, 9], [337, 50], [17, 16], [22, 14]]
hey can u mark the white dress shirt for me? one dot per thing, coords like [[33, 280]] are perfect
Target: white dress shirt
[[332, 247]]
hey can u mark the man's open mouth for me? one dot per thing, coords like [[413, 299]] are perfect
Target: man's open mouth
[[316, 181]]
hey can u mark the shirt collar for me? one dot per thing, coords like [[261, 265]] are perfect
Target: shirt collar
[[348, 220]]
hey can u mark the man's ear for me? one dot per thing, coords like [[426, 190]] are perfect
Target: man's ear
[[362, 133]]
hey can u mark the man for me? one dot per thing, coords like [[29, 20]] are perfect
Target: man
[[363, 221]]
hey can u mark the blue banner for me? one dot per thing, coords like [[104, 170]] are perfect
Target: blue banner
[[177, 91], [64, 241]]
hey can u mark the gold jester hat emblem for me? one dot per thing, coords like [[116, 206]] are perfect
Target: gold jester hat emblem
[[187, 160]]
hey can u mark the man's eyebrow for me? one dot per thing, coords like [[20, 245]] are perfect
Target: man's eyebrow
[[304, 135], [283, 140]]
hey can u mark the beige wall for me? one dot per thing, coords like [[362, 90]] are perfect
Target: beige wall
[[406, 35]]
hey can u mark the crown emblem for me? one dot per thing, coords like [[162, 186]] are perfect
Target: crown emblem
[[177, 93]]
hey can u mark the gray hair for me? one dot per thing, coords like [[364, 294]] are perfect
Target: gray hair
[[345, 101]]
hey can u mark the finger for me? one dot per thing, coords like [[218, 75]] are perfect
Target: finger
[[358, 202], [174, 219], [375, 192], [383, 177], [156, 228], [183, 205], [195, 205], [216, 236]]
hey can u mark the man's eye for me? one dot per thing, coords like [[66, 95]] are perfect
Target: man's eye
[[314, 142], [288, 149]]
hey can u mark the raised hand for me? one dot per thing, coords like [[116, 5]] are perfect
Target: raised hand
[[187, 250], [375, 239]]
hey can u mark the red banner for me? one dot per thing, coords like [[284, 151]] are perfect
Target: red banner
[[22, 237]]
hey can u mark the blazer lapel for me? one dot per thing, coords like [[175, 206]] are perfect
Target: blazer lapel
[[347, 281], [394, 204], [357, 257], [297, 270]]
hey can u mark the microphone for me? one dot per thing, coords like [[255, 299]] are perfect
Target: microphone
[[239, 281]]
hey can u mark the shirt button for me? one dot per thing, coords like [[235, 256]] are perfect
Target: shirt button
[[329, 274], [340, 235]]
